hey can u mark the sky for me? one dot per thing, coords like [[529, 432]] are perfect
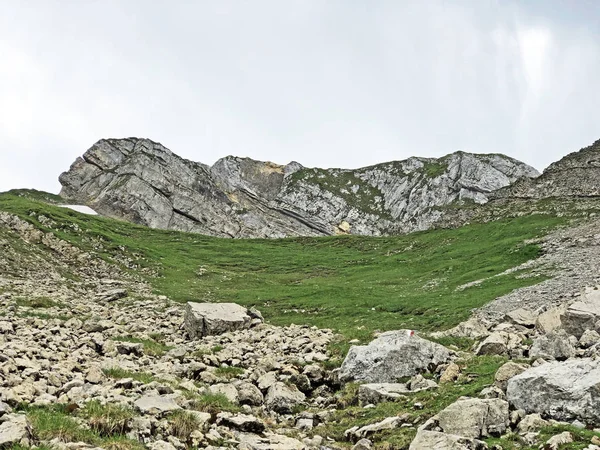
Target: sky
[[327, 83]]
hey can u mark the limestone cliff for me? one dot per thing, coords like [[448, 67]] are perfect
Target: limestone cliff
[[144, 182], [576, 175]]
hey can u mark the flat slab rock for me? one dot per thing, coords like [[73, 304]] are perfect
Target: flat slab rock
[[204, 319], [429, 440], [393, 355], [156, 404], [563, 391]]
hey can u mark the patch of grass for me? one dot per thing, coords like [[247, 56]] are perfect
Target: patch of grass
[[121, 443], [118, 373], [229, 372], [54, 423], [109, 419], [217, 349], [36, 302], [151, 347], [353, 284], [183, 423], [212, 403]]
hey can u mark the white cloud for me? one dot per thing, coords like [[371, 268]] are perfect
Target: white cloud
[[325, 83]]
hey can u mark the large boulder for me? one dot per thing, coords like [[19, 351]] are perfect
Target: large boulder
[[393, 355], [555, 345], [498, 343], [565, 391], [474, 418], [430, 440], [203, 319], [282, 398], [583, 315], [15, 431]]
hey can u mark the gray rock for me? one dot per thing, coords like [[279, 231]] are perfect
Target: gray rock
[[554, 345], [430, 440], [589, 338], [474, 418], [363, 444], [388, 423], [373, 393], [498, 343], [156, 404], [282, 398], [583, 315], [391, 356], [15, 430], [560, 390], [522, 316], [248, 394], [556, 441], [241, 422], [532, 423], [226, 389], [506, 372], [203, 319]]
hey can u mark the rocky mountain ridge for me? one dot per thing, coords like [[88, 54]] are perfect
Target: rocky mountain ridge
[[144, 182]]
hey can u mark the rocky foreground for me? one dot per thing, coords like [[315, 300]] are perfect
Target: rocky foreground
[[90, 358]]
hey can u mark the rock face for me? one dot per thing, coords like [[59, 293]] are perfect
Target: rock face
[[562, 390], [391, 356], [144, 182], [204, 319], [575, 175], [474, 418], [583, 315]]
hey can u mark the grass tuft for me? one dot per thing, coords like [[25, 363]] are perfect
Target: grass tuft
[[183, 424], [109, 419]]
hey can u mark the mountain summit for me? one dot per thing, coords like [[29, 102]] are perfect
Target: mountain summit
[[144, 182]]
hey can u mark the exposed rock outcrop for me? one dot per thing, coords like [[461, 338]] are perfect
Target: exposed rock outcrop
[[575, 175], [560, 390], [144, 182], [393, 355]]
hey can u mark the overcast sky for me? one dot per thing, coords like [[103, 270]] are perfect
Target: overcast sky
[[328, 83]]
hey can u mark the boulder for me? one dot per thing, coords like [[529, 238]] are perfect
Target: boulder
[[248, 394], [389, 423], [554, 345], [373, 393], [450, 373], [156, 404], [203, 319], [430, 440], [558, 440], [474, 418], [226, 389], [472, 328], [391, 356], [506, 372], [14, 431], [563, 391], [282, 398], [549, 320], [241, 422], [498, 343], [532, 423], [589, 338], [583, 315], [521, 316]]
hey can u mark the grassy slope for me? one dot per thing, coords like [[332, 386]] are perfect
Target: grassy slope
[[353, 284]]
